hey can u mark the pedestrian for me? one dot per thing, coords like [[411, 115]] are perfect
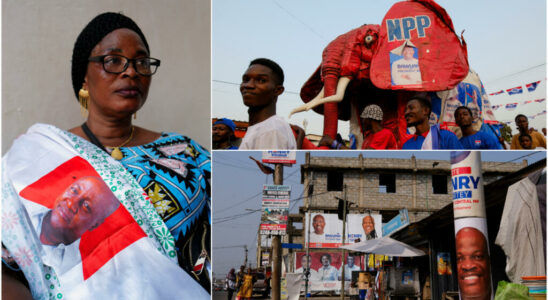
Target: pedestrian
[[240, 277], [522, 123], [426, 137], [471, 138], [246, 289], [230, 283], [261, 85], [223, 136], [374, 135], [525, 141]]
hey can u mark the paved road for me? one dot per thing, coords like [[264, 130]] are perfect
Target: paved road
[[222, 295]]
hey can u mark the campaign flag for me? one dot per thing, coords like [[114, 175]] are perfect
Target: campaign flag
[[496, 93], [511, 106], [540, 100], [516, 90], [532, 86]]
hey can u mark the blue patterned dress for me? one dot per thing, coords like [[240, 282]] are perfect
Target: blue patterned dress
[[175, 173]]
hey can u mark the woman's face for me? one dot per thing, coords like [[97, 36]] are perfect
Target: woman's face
[[117, 95]]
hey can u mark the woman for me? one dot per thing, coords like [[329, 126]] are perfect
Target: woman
[[246, 289], [59, 180]]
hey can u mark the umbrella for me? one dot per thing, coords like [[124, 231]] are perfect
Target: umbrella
[[385, 246]]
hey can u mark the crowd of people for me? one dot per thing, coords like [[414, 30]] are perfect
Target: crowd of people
[[262, 83]]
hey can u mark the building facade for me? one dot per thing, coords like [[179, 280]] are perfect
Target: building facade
[[379, 185]]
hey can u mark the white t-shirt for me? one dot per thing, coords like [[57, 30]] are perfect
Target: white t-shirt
[[348, 271], [313, 273], [272, 133], [317, 238]]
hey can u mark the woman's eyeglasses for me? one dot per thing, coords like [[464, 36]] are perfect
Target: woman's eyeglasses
[[117, 64]]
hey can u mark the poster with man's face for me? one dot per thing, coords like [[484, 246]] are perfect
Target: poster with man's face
[[473, 263], [404, 66], [326, 229], [73, 209]]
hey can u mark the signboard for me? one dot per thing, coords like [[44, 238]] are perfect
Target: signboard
[[468, 199], [292, 246], [280, 157], [265, 258], [325, 269], [275, 209], [397, 223], [326, 229]]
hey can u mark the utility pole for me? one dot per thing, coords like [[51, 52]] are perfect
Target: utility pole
[[245, 261], [307, 268], [343, 242], [276, 243]]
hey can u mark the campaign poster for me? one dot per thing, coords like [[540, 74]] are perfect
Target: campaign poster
[[72, 210], [404, 66], [473, 262], [444, 263], [275, 209], [469, 93], [265, 258], [326, 269], [326, 229], [467, 181]]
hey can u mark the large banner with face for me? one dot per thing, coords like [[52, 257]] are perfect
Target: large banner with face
[[471, 239], [326, 229], [326, 269], [79, 228]]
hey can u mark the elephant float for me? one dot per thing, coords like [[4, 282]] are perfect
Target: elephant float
[[415, 51]]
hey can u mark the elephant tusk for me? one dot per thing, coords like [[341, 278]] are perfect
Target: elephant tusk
[[306, 107], [342, 84]]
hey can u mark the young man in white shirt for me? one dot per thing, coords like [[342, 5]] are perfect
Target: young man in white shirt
[[261, 85]]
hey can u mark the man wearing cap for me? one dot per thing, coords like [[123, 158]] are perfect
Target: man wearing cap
[[375, 136], [223, 134]]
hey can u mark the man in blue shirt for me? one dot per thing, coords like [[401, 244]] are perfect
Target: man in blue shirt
[[473, 139], [417, 114]]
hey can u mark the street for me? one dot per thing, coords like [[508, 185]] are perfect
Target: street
[[222, 295]]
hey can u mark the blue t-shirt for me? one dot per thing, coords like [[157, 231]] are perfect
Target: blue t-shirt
[[480, 140], [448, 140]]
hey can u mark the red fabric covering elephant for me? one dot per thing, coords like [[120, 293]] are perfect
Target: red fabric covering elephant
[[367, 65]]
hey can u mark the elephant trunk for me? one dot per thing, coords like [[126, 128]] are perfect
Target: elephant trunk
[[331, 109]]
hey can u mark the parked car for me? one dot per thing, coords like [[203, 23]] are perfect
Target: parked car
[[261, 285]]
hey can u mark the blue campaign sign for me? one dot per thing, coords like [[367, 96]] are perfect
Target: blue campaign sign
[[292, 246], [397, 223]]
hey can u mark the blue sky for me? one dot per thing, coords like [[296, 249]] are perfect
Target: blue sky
[[506, 47], [237, 191]]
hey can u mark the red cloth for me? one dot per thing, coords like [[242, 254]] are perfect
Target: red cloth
[[383, 139], [442, 56]]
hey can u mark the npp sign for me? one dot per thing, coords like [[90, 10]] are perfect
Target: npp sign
[[400, 29]]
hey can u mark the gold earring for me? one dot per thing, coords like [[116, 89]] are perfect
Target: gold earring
[[83, 98]]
